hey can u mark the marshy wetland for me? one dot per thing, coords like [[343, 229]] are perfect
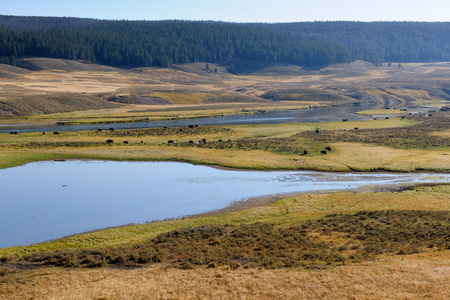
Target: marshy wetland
[[382, 233]]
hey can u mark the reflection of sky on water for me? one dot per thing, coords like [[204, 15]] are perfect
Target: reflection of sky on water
[[47, 200]]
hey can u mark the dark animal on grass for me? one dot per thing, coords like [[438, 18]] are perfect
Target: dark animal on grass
[[99, 130], [323, 152], [327, 148], [169, 142], [191, 126], [403, 117], [304, 152], [12, 132], [43, 133], [317, 130], [344, 120], [125, 142], [220, 140], [181, 130], [387, 118], [111, 129], [109, 141], [356, 128], [191, 141], [55, 132]]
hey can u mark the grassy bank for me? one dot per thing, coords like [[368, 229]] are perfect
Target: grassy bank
[[415, 144]]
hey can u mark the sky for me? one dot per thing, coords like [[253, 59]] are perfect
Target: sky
[[270, 11]]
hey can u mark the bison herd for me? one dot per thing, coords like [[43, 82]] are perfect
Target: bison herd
[[198, 142]]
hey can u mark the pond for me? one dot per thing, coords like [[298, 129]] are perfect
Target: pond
[[322, 114], [48, 200]]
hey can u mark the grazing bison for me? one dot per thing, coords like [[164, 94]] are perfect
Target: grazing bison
[[344, 120], [323, 152], [109, 141], [327, 148], [403, 117], [111, 129], [43, 133], [169, 142], [304, 152], [356, 128], [55, 132], [99, 130], [191, 141], [317, 130], [191, 126], [125, 142], [387, 118], [220, 140]]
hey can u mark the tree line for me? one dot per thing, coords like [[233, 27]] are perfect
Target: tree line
[[162, 43]]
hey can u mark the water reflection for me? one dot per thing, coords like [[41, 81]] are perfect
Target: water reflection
[[48, 200]]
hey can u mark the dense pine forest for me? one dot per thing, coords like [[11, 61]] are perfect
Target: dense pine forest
[[162, 43]]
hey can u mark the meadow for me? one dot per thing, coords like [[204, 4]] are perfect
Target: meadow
[[365, 244]]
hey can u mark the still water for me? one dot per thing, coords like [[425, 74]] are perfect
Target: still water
[[48, 200]]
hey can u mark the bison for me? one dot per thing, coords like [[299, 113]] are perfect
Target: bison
[[323, 152], [327, 148], [304, 152], [109, 141], [55, 132], [169, 142]]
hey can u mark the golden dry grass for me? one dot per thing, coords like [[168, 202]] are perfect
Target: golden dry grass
[[418, 276]]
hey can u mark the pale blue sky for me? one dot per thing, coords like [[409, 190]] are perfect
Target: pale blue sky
[[235, 10]]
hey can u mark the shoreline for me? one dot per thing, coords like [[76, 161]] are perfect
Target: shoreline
[[254, 202]]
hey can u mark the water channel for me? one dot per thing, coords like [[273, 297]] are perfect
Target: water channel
[[48, 200]]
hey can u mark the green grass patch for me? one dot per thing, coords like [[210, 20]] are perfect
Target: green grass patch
[[382, 112]]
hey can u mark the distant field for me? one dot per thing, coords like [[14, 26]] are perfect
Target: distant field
[[44, 86]]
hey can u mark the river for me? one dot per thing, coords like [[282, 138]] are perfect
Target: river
[[321, 114], [48, 200]]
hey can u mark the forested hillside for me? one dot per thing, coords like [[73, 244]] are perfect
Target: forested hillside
[[162, 43], [380, 42]]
